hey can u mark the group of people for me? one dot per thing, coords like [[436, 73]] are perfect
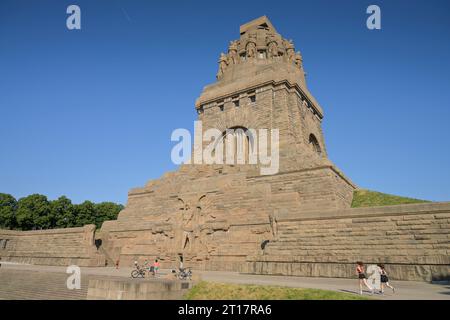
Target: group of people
[[362, 278], [172, 275], [153, 269], [360, 271]]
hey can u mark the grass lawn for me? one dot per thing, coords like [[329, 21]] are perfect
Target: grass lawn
[[367, 198], [221, 291]]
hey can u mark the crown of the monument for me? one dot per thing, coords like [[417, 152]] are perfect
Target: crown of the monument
[[259, 43]]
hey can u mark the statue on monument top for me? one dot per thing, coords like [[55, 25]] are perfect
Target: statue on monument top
[[232, 53], [272, 50], [290, 50], [223, 64], [251, 47], [272, 46]]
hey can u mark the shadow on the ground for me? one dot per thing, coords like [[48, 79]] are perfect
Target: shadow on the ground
[[445, 283], [446, 292], [365, 292]]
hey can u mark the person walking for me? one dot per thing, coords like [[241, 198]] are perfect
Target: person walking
[[156, 267]]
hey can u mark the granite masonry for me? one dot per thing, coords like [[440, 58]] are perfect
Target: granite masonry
[[52, 247]]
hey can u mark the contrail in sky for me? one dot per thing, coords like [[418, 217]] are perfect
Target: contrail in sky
[[124, 12]]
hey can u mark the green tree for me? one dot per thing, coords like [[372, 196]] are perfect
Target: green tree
[[106, 211], [33, 212], [85, 213], [8, 206], [36, 212], [62, 213]]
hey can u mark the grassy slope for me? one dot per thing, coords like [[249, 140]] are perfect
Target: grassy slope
[[367, 198], [220, 291]]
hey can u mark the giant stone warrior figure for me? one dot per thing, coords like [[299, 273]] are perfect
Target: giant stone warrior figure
[[233, 57], [223, 63], [272, 50], [251, 50], [290, 50]]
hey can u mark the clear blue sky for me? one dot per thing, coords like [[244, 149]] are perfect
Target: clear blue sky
[[88, 114]]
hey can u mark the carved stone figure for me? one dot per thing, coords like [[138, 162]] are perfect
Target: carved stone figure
[[272, 50], [290, 51], [251, 50], [233, 57], [187, 224], [193, 222], [273, 225], [223, 64]]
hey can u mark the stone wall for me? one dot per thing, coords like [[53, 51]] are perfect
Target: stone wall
[[413, 241], [51, 247]]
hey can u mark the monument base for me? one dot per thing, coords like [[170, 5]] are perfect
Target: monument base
[[137, 289]]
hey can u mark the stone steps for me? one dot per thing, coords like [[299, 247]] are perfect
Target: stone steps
[[32, 285]]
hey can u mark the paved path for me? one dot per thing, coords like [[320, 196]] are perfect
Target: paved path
[[405, 290]]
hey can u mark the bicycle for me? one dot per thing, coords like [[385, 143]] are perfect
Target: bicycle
[[138, 272], [185, 274]]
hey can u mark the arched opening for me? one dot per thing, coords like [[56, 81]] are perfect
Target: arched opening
[[98, 243], [238, 143], [315, 144]]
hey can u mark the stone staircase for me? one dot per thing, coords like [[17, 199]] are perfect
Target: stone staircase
[[34, 285]]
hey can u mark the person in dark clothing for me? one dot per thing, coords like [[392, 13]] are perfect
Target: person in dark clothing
[[384, 279]]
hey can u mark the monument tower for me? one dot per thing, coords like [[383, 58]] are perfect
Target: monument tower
[[217, 215]]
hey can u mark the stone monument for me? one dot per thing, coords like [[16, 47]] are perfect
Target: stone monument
[[295, 221], [217, 215]]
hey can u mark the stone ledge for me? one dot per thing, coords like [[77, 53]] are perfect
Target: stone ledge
[[330, 258], [396, 210], [46, 231]]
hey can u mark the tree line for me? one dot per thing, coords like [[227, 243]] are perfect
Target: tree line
[[36, 212]]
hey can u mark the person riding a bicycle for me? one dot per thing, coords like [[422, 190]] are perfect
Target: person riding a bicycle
[[138, 272]]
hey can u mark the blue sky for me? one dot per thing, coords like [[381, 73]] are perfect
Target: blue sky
[[89, 113]]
